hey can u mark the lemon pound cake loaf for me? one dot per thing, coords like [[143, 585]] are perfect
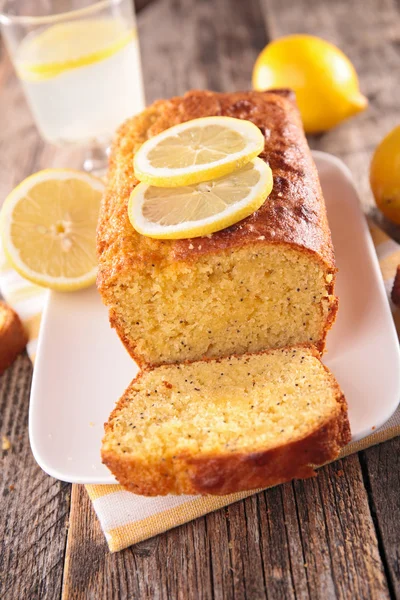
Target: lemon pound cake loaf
[[225, 425], [265, 282]]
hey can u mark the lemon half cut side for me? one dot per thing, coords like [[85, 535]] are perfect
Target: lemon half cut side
[[48, 228]]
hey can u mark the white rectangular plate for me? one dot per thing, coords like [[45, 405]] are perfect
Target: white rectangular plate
[[82, 368]]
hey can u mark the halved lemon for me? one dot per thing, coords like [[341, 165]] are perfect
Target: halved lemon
[[48, 228], [70, 45], [200, 209], [198, 150]]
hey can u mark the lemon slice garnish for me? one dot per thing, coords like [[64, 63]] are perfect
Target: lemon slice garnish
[[70, 45], [200, 209], [48, 228], [198, 150]]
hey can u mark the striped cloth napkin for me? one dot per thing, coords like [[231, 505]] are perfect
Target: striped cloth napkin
[[125, 517]]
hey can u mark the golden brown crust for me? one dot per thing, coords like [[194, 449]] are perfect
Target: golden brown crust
[[220, 475], [13, 338], [294, 213], [332, 314], [233, 472], [130, 346]]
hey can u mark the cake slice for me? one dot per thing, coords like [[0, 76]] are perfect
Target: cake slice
[[13, 338], [266, 282], [225, 425]]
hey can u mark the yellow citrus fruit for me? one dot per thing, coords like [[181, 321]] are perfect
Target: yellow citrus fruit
[[70, 45], [198, 150], [325, 81], [202, 208], [385, 175], [48, 228]]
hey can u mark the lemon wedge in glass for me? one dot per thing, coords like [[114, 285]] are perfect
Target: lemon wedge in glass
[[325, 81], [200, 209], [48, 228], [70, 45], [198, 150]]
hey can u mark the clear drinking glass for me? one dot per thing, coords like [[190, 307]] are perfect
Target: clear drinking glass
[[79, 64]]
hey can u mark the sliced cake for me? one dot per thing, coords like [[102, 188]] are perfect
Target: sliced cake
[[225, 425]]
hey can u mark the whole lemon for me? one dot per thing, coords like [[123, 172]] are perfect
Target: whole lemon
[[325, 81], [385, 175]]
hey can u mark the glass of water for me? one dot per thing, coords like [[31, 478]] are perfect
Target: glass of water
[[79, 65]]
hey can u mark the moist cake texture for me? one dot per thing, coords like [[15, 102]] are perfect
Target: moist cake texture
[[266, 282], [224, 425]]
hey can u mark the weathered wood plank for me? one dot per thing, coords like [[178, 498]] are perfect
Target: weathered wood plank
[[170, 566], [204, 44], [141, 4], [337, 529], [85, 562], [312, 539], [33, 507], [381, 465]]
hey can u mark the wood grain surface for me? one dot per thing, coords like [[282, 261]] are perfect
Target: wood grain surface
[[337, 536]]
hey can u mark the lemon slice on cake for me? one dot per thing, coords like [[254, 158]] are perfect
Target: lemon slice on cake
[[202, 208], [198, 150], [48, 228]]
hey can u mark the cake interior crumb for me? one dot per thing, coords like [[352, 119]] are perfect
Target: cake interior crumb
[[237, 404]]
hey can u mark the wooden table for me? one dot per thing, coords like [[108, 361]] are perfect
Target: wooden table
[[336, 536]]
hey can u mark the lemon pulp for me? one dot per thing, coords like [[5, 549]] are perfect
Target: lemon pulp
[[203, 145], [48, 226]]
